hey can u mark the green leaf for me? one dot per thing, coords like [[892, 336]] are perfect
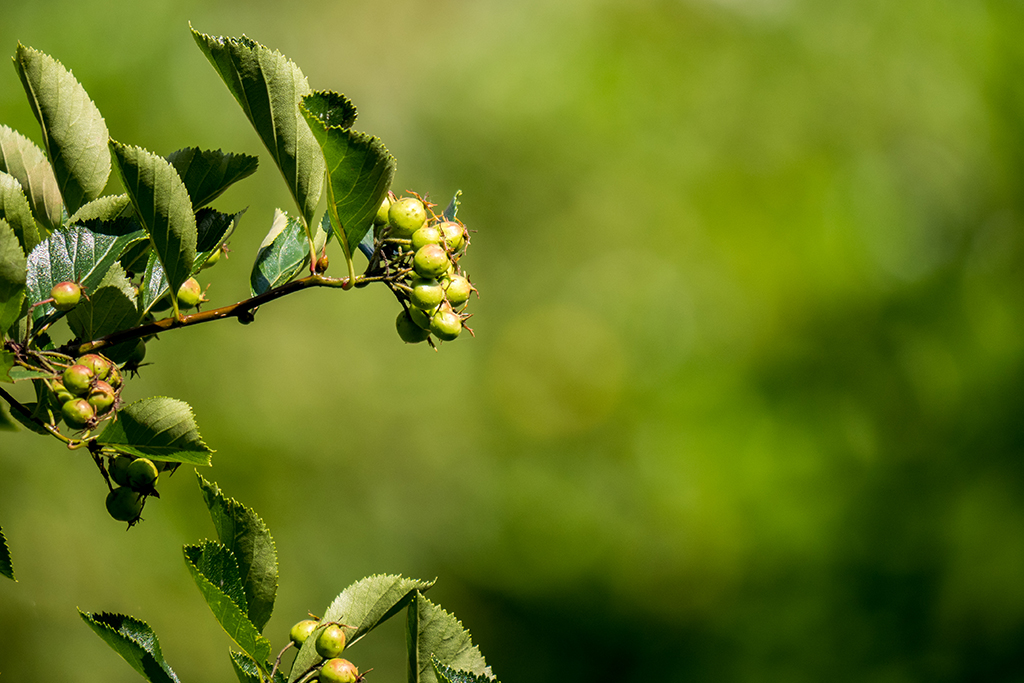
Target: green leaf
[[207, 173], [163, 206], [247, 671], [74, 133], [6, 364], [158, 428], [446, 674], [12, 277], [31, 425], [6, 567], [79, 253], [451, 213], [362, 607], [6, 423], [269, 87], [433, 632], [135, 641], [110, 308], [215, 571], [284, 253], [105, 209], [22, 159], [20, 374], [242, 531], [14, 207], [359, 168]]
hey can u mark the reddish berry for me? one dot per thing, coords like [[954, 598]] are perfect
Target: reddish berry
[[339, 671], [190, 294], [99, 365], [66, 295], [101, 396], [77, 379], [430, 261], [301, 631]]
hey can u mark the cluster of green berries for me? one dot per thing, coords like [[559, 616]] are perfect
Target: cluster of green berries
[[330, 643], [436, 290], [88, 391]]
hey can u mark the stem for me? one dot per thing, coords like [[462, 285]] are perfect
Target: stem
[[27, 414], [243, 310]]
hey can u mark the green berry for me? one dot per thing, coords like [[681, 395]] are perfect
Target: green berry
[[382, 212], [427, 293], [66, 295], [99, 365], [406, 216], [330, 642], [445, 324], [117, 468], [142, 475], [214, 258], [301, 631], [125, 505], [457, 290], [77, 413], [190, 294], [77, 379], [421, 317], [454, 235], [409, 330], [339, 671], [101, 396], [430, 261], [138, 354], [428, 234]]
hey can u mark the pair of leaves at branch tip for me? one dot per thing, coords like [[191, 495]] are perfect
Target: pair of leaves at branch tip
[[12, 277], [79, 253], [284, 253], [215, 570], [158, 428], [20, 157], [269, 86], [135, 641], [248, 539], [208, 173], [74, 133], [362, 607], [247, 671], [14, 208], [434, 634], [6, 567], [359, 168]]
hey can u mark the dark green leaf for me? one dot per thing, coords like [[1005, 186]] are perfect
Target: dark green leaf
[[26, 421], [432, 632], [158, 428], [330, 108], [6, 363], [74, 133], [26, 162], [269, 87], [362, 607], [452, 212], [12, 277], [284, 253], [359, 170], [15, 209], [110, 308], [446, 674], [248, 538], [215, 571], [135, 641], [79, 253], [6, 423], [207, 173], [6, 567], [163, 207]]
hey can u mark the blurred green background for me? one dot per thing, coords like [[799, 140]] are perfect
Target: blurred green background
[[745, 398]]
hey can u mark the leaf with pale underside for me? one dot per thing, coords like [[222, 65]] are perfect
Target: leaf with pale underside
[[163, 207], [359, 167], [158, 428], [435, 633], [74, 133], [14, 208], [135, 641], [269, 86], [20, 157], [208, 173]]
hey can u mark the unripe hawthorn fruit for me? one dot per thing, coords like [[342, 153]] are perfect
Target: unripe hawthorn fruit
[[66, 295], [382, 212], [330, 642], [428, 234], [339, 671], [457, 290], [125, 505], [430, 261], [445, 324], [190, 294], [99, 365], [454, 235], [117, 468], [77, 412], [101, 396], [406, 216], [142, 475], [214, 258], [421, 317], [301, 631], [427, 293], [409, 331], [77, 379]]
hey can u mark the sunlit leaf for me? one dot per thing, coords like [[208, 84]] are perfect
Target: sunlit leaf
[[135, 641], [207, 173], [110, 308], [158, 428], [284, 253], [105, 209], [433, 632], [74, 133], [12, 277], [20, 157], [15, 209]]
